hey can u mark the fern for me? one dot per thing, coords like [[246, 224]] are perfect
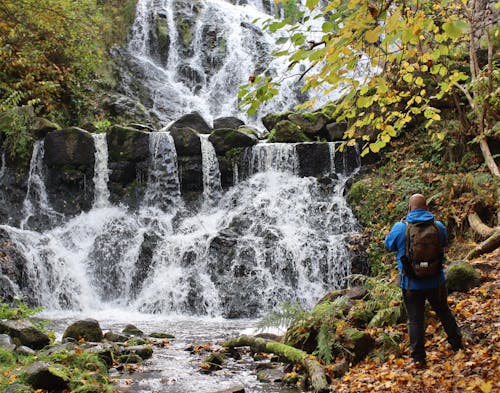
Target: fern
[[288, 315]]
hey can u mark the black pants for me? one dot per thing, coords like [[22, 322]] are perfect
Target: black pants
[[415, 307]]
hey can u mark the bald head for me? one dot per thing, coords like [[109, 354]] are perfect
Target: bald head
[[417, 201]]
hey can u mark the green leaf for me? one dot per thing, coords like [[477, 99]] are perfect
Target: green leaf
[[455, 29], [311, 4], [327, 27]]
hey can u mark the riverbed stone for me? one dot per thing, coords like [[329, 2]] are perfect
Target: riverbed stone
[[115, 337], [144, 351], [88, 329], [23, 331], [132, 330], [270, 375]]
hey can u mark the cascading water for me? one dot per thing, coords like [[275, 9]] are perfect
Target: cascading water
[[36, 202], [163, 189], [2, 166], [101, 172], [195, 55], [212, 188]]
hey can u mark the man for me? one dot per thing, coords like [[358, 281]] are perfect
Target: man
[[417, 290]]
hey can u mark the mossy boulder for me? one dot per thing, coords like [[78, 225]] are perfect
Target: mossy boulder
[[144, 351], [286, 131], [132, 330], [213, 362], [462, 277], [161, 335], [132, 358], [271, 119], [127, 144], [115, 337], [41, 375], [226, 139], [311, 123], [42, 126], [187, 141], [88, 329], [23, 332], [71, 146]]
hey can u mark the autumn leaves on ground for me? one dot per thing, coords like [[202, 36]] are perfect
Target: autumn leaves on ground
[[474, 369]]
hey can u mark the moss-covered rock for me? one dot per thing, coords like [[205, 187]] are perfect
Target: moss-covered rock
[[162, 37], [271, 119], [161, 335], [88, 329], [130, 358], [192, 120], [461, 277], [41, 375], [311, 123], [286, 131], [187, 141], [132, 330], [228, 122], [127, 144], [226, 139], [25, 333]]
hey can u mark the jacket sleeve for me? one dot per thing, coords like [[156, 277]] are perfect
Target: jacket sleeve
[[393, 239], [444, 235]]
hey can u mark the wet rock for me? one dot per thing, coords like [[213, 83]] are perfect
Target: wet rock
[[24, 331], [213, 362], [130, 358], [143, 265], [161, 335], [132, 330], [335, 131], [24, 350], [311, 123], [88, 329], [42, 376], [314, 159], [271, 375], [232, 389], [230, 122], [144, 351], [69, 156], [226, 139], [127, 144], [194, 121], [161, 38], [115, 337], [187, 141]]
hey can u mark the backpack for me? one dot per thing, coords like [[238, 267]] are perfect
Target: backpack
[[424, 250]]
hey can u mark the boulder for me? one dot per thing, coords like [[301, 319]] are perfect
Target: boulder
[[12, 270], [127, 144], [115, 337], [250, 131], [161, 335], [462, 277], [24, 350], [69, 155], [228, 122], [25, 333], [6, 342], [144, 351], [132, 330], [271, 119], [88, 329], [42, 126], [314, 159], [194, 121], [286, 131], [271, 375], [359, 343], [42, 376], [335, 131], [226, 139], [187, 142], [71, 146], [311, 123]]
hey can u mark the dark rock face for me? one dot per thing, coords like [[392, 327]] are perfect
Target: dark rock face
[[335, 131], [358, 245], [69, 156], [129, 158], [24, 331], [230, 122], [194, 121], [143, 264], [12, 270], [88, 329], [314, 159], [189, 160], [288, 132], [225, 140]]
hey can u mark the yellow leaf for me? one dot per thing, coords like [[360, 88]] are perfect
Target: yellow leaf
[[486, 387], [372, 35]]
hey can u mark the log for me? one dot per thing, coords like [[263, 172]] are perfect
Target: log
[[479, 226], [489, 245], [293, 355]]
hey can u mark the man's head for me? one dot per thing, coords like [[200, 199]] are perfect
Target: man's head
[[417, 201]]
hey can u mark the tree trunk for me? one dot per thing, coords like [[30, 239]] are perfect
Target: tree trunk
[[490, 244], [488, 158], [312, 366], [479, 226]]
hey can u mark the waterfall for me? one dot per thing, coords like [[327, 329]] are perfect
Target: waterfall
[[281, 157], [2, 166], [212, 188], [193, 56], [36, 202], [274, 237], [101, 172], [163, 189]]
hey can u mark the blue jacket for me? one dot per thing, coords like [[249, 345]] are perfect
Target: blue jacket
[[396, 241]]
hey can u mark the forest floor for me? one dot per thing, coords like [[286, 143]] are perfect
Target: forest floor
[[476, 368]]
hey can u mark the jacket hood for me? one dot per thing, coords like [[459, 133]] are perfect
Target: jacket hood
[[419, 215]]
